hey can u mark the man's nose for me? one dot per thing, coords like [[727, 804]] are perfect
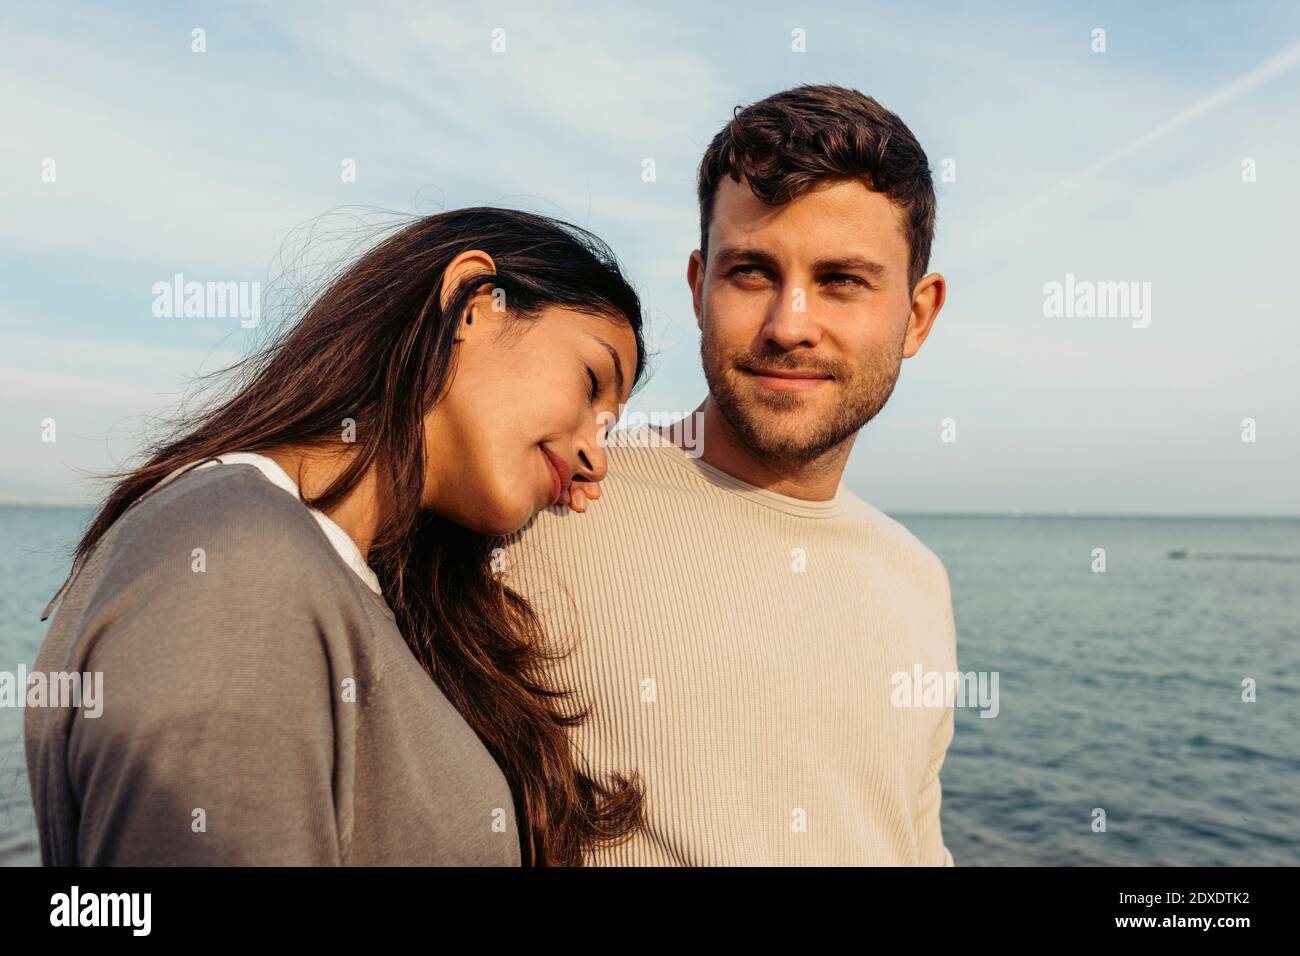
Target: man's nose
[[790, 323]]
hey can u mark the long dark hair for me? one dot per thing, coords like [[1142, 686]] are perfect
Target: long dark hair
[[377, 347]]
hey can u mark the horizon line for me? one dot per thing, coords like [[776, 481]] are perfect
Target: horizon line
[[15, 501]]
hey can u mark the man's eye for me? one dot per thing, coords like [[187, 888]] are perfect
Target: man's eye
[[842, 279], [756, 273]]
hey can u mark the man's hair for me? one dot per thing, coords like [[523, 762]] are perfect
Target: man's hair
[[791, 141]]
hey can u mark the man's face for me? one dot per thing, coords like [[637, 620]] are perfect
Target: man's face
[[816, 288]]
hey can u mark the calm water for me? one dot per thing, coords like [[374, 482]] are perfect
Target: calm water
[[1119, 690]]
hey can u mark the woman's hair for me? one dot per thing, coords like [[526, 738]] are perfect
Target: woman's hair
[[377, 348]]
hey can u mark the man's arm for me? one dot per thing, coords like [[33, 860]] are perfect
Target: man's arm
[[929, 833], [932, 851]]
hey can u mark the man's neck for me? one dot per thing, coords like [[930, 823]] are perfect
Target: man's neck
[[811, 480]]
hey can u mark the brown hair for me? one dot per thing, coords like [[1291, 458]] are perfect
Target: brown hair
[[787, 143], [377, 347]]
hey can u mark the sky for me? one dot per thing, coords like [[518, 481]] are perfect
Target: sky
[[1054, 158]]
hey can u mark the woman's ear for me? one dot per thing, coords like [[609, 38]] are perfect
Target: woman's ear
[[466, 265], [467, 321]]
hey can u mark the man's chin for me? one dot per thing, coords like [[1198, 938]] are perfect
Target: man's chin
[[776, 433]]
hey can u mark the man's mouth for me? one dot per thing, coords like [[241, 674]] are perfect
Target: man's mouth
[[787, 380]]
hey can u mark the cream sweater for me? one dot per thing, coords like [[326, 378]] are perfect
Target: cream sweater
[[736, 647]]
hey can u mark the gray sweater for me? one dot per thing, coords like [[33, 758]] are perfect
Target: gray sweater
[[259, 704]]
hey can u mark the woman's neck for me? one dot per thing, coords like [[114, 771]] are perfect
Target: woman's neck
[[357, 513]]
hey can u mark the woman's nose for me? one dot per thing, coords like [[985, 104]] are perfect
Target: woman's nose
[[591, 462]]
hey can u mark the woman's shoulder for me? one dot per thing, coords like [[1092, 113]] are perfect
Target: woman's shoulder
[[219, 533], [217, 593], [231, 506], [219, 572]]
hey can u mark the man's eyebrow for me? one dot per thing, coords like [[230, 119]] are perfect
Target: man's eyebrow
[[737, 253], [826, 264], [618, 364], [849, 264]]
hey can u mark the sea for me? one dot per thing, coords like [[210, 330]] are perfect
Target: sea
[[1147, 676]]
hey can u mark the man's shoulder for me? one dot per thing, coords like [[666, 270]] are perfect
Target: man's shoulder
[[901, 543]]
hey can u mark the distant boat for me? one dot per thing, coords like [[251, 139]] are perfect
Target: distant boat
[[1193, 554]]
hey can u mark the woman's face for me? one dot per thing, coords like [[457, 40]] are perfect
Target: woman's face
[[520, 409]]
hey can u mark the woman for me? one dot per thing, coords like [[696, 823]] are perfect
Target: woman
[[266, 657]]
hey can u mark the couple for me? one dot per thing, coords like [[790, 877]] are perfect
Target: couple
[[478, 630]]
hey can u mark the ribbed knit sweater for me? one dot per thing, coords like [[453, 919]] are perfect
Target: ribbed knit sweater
[[737, 648]]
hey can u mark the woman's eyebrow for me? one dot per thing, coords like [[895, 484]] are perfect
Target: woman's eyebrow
[[618, 364]]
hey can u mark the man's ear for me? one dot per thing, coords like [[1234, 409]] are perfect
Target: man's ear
[[695, 279], [927, 299]]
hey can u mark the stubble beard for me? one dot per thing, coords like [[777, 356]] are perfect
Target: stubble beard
[[764, 420]]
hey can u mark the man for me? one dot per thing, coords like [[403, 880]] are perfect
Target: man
[[734, 621]]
